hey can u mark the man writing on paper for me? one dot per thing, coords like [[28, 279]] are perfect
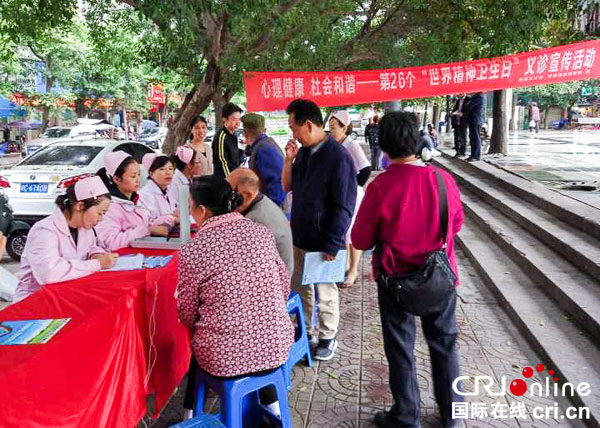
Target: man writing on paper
[[322, 178]]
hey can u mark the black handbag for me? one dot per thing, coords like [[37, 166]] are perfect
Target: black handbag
[[427, 290]]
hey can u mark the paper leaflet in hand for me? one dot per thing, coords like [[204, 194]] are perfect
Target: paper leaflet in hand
[[317, 270]]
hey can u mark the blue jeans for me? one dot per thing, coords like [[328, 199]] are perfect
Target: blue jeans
[[475, 140], [440, 331]]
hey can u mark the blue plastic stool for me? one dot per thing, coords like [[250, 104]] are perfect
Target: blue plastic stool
[[301, 346], [202, 421], [239, 397]]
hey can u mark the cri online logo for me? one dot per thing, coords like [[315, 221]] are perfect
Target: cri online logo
[[518, 387]]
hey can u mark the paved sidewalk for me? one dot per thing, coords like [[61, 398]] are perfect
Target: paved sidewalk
[[565, 161], [348, 390]]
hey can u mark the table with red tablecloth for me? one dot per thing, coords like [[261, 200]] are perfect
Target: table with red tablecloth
[[123, 342]]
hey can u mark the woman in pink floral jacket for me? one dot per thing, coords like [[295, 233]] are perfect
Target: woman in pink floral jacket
[[233, 288]]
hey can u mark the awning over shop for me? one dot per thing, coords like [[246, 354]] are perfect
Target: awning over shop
[[10, 109]]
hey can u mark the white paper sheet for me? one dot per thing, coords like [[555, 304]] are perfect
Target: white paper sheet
[[316, 270]]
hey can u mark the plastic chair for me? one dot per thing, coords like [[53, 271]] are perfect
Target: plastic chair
[[301, 346], [239, 397], [202, 421]]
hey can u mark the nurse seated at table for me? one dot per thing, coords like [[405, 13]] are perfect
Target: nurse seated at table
[[186, 167], [232, 290], [126, 220], [63, 246], [154, 195]]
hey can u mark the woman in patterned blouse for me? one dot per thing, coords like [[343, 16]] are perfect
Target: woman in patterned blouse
[[232, 289]]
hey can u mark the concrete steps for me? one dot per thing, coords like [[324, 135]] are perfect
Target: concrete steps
[[562, 345], [568, 210], [539, 251], [574, 291], [576, 245]]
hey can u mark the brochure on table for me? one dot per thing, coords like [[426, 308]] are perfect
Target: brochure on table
[[30, 332], [139, 261]]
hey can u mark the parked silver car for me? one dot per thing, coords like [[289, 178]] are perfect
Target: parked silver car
[[33, 184], [153, 137]]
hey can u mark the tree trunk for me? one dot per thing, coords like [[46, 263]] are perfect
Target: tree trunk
[[447, 114], [79, 107], [514, 120], [195, 102], [219, 100], [546, 118], [46, 108], [164, 112], [499, 139], [425, 115], [199, 98], [125, 124], [436, 116]]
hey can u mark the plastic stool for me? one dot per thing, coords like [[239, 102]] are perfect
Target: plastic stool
[[301, 346], [202, 421], [239, 397]]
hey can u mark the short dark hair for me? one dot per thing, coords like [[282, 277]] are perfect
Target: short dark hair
[[159, 162], [108, 181], [197, 119], [229, 109], [67, 201], [375, 119], [304, 110], [215, 193], [398, 135]]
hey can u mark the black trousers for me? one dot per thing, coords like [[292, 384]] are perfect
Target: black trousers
[[440, 331], [267, 395], [475, 140], [375, 155], [460, 139]]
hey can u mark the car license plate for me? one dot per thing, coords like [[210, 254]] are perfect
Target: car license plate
[[34, 188]]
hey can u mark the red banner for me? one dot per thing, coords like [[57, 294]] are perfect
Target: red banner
[[269, 91]]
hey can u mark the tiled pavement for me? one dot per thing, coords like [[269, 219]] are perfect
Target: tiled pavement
[[348, 390], [558, 159]]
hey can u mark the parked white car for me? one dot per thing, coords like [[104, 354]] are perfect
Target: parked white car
[[61, 133], [33, 184]]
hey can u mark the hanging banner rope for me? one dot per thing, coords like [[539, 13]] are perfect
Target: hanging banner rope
[[269, 91]]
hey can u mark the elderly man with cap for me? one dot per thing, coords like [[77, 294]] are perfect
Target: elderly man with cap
[[63, 246], [264, 211], [266, 158]]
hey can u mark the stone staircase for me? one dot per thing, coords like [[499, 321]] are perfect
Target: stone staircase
[[539, 252]]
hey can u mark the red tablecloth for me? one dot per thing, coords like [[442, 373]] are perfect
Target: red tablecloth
[[123, 342]]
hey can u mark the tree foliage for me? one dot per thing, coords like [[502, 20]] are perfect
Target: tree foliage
[[202, 46]]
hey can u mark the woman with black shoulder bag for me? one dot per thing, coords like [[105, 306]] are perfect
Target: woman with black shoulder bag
[[410, 214]]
